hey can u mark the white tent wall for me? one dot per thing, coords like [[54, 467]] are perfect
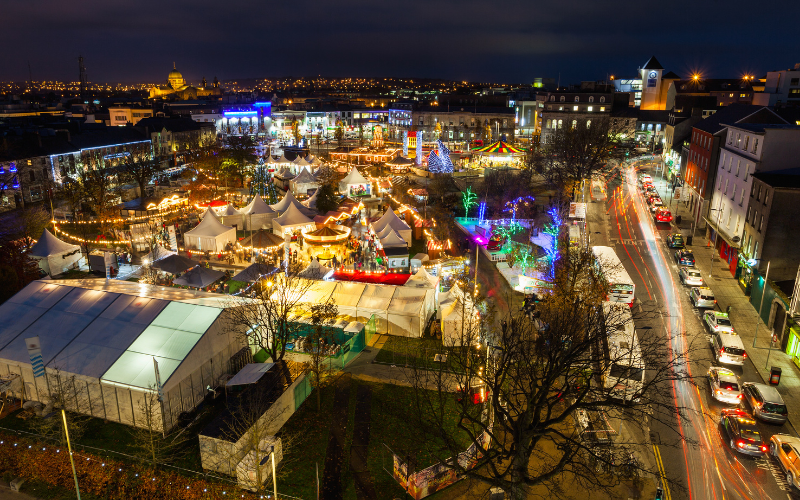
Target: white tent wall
[[258, 221], [236, 220], [60, 263]]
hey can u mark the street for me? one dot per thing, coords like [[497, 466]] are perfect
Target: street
[[696, 460]]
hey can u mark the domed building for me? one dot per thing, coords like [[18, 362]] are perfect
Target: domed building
[[177, 88]]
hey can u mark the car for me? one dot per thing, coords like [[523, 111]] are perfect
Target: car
[[728, 348], [718, 322], [496, 243], [690, 276], [725, 386], [766, 402], [702, 297], [656, 204], [742, 431], [675, 240], [663, 215], [786, 450], [477, 393], [645, 178], [685, 257]]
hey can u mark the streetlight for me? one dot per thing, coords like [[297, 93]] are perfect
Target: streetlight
[[716, 235]]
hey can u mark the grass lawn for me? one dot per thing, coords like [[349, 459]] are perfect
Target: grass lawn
[[75, 274], [234, 286], [390, 424], [417, 352]]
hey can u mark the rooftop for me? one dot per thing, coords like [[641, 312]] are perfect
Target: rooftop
[[789, 179]]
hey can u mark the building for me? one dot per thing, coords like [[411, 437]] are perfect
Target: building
[[99, 148], [770, 228], [577, 104], [781, 89], [118, 350], [725, 91], [528, 119], [703, 155], [749, 149], [26, 166], [120, 116], [174, 136], [464, 124], [177, 88], [655, 84]]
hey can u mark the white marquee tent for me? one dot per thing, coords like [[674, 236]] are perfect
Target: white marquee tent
[[231, 217], [354, 180], [390, 219], [292, 220], [54, 256], [257, 214], [311, 203], [459, 317], [304, 181], [210, 235], [314, 271], [393, 240], [102, 338]]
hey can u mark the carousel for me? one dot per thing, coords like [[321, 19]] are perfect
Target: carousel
[[497, 154], [327, 242]]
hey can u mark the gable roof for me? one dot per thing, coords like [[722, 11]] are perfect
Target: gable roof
[[789, 178], [292, 216], [257, 206], [652, 63], [288, 199], [735, 113], [304, 177], [50, 245], [209, 226], [392, 220], [354, 177]]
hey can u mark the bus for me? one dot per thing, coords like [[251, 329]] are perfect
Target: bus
[[622, 361], [621, 287]]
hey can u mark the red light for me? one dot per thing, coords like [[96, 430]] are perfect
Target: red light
[[740, 444], [740, 396], [764, 449], [722, 351], [744, 355]]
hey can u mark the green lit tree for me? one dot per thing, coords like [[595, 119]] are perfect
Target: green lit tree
[[468, 200]]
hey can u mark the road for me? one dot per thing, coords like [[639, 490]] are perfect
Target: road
[[695, 458]]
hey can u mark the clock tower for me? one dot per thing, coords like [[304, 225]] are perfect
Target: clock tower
[[651, 74]]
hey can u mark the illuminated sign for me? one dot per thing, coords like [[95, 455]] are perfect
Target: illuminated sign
[[240, 113]]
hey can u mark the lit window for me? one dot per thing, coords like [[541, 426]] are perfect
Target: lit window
[[589, 108], [588, 123], [602, 108], [574, 108], [563, 98], [574, 123]]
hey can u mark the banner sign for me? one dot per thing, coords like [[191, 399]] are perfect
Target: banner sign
[[173, 241], [35, 353], [577, 210]]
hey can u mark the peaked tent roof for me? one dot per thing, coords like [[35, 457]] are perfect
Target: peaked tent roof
[[393, 239], [422, 279], [174, 264], [254, 271], [301, 162], [229, 210], [285, 173], [257, 206], [262, 239], [311, 202], [292, 216], [288, 199], [209, 226], [326, 231], [392, 220], [304, 177], [401, 161], [199, 277], [209, 211], [354, 177], [283, 160], [652, 63], [499, 147], [50, 245], [314, 270]]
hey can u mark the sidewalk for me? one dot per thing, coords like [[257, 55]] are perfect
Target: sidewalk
[[743, 315]]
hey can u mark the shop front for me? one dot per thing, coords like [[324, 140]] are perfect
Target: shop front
[[730, 255], [793, 344]]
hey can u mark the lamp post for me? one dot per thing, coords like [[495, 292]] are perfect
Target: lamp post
[[761, 306], [716, 234]]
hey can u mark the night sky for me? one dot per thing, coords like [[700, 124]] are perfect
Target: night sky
[[504, 42]]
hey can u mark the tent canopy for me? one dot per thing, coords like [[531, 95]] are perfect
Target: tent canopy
[[254, 271], [499, 147], [229, 210], [400, 161], [314, 271], [174, 264], [288, 199], [209, 226], [199, 277], [311, 203], [422, 279], [262, 239], [50, 245], [304, 177], [250, 374], [393, 239], [257, 206], [391, 219], [292, 217]]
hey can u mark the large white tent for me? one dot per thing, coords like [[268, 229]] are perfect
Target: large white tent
[[459, 317], [390, 219], [289, 199], [392, 240], [210, 235], [231, 217], [101, 342], [314, 271], [257, 214], [304, 182], [311, 203], [291, 220], [354, 184], [53, 255]]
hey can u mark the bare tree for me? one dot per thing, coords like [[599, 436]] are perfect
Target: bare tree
[[149, 438], [267, 316], [70, 394], [141, 170], [522, 393], [321, 338]]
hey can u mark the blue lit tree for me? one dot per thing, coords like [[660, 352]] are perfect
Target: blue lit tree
[[553, 230]]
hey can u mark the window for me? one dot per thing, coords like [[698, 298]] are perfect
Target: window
[[749, 211], [577, 99], [731, 95], [726, 187], [561, 108], [602, 99], [552, 98], [560, 123], [588, 123], [743, 96], [755, 145], [738, 220], [741, 197], [746, 172], [738, 166], [589, 109], [761, 223], [794, 81], [548, 124], [755, 218], [603, 108], [755, 251], [728, 221], [563, 98], [574, 108], [591, 98], [32, 176], [574, 123], [738, 140], [766, 197], [746, 142], [758, 197]]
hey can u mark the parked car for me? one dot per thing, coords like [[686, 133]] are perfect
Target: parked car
[[766, 402], [495, 243], [685, 257], [724, 384], [702, 297], [728, 348], [742, 431], [663, 215], [656, 204], [675, 240], [718, 322], [690, 276], [786, 449]]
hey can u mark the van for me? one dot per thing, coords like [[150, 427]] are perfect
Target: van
[[728, 348], [766, 402]]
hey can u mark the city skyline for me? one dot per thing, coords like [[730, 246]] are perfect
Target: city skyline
[[458, 41]]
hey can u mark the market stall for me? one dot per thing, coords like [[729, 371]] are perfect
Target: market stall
[[304, 183], [53, 255], [292, 221], [391, 220], [355, 185], [257, 214], [210, 235], [231, 217]]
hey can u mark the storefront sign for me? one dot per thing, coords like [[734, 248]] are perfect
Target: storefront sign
[[577, 210]]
